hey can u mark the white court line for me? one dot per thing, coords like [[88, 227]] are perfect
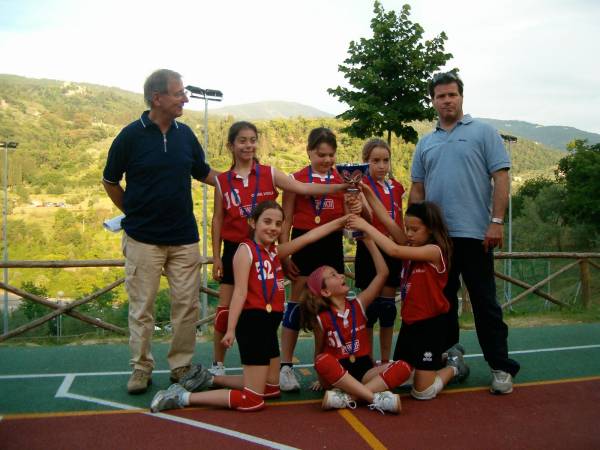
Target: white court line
[[63, 392], [239, 369]]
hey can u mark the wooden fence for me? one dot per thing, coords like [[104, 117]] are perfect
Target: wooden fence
[[583, 260]]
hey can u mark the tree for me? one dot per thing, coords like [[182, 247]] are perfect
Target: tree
[[579, 171], [530, 189], [389, 74]]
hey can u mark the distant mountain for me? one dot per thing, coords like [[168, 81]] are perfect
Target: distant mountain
[[270, 110], [551, 136]]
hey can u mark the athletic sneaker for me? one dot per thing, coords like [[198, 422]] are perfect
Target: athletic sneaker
[[217, 369], [458, 346], [197, 379], [139, 381], [456, 359], [287, 379], [337, 399], [172, 398], [386, 401], [501, 382]]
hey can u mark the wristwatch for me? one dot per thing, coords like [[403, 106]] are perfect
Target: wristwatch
[[497, 220]]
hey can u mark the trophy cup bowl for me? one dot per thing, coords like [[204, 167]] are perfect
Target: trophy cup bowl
[[352, 174]]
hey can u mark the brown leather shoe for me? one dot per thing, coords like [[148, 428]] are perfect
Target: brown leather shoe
[[178, 372], [139, 381]]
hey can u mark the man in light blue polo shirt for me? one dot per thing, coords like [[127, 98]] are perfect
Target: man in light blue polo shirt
[[463, 167]]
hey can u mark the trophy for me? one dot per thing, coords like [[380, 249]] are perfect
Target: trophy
[[352, 174]]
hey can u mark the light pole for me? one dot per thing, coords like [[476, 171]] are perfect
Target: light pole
[[508, 140], [6, 145], [208, 95]]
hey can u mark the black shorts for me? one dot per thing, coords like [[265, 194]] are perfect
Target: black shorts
[[384, 310], [256, 335], [359, 367], [422, 343], [328, 251], [364, 269], [229, 249]]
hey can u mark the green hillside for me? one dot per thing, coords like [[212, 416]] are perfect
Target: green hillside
[[64, 131], [552, 136]]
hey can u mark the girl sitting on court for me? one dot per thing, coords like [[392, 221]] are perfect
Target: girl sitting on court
[[255, 314], [342, 346], [424, 276]]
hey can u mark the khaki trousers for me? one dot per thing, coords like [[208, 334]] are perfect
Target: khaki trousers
[[144, 264]]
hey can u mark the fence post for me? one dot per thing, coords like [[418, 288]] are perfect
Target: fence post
[[586, 288]]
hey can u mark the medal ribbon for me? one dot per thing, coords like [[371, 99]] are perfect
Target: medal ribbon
[[374, 186], [313, 200], [407, 268], [245, 212], [263, 276], [339, 332]]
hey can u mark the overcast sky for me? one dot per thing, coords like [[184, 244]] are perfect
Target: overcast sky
[[532, 60]]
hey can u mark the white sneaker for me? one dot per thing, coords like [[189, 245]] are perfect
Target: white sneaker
[[501, 382], [287, 379], [386, 401], [217, 369], [171, 398], [337, 399]]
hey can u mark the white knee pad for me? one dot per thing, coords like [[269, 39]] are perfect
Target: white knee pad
[[431, 392]]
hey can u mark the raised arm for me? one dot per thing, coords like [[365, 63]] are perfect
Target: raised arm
[[313, 235], [289, 200], [395, 229], [241, 270], [424, 253], [381, 273], [287, 183]]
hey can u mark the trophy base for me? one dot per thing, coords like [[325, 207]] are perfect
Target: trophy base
[[353, 234]]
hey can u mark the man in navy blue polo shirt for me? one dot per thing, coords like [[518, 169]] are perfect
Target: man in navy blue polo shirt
[[454, 166], [159, 156]]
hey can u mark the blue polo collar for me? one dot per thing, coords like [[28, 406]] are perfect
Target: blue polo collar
[[145, 120], [466, 119]]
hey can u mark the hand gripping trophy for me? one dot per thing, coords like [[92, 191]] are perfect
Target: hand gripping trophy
[[352, 174]]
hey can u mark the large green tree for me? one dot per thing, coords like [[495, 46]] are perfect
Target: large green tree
[[579, 170], [388, 75]]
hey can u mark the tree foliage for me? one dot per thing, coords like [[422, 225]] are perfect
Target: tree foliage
[[579, 171], [389, 74]]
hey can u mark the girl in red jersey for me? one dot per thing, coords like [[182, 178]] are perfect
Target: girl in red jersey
[[377, 153], [342, 346], [256, 312], [303, 213], [424, 276], [237, 193]]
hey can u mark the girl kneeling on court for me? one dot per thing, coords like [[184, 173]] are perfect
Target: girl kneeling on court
[[424, 275], [342, 345], [254, 317]]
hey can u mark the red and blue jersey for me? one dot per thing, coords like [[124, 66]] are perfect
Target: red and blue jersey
[[271, 282], [341, 347], [238, 194], [329, 207]]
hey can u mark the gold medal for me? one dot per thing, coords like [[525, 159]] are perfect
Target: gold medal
[[317, 219], [352, 359], [269, 308]]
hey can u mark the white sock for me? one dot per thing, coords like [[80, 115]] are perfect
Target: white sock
[[454, 370], [185, 399]]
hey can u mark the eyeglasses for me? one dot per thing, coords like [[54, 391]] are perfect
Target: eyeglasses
[[179, 94]]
